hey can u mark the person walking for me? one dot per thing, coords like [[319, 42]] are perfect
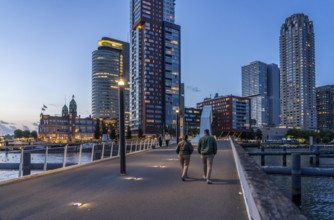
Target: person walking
[[184, 149], [160, 140], [207, 148], [167, 138]]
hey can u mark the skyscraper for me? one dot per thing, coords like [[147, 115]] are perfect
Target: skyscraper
[[297, 79], [260, 82], [325, 107], [155, 73], [109, 62]]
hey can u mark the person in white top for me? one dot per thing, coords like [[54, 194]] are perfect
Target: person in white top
[[167, 138]]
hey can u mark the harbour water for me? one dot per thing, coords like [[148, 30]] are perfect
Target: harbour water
[[317, 192], [38, 158]]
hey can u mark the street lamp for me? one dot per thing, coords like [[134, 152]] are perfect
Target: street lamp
[[121, 126], [177, 125]]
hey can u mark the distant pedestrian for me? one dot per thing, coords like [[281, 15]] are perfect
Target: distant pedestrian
[[160, 140], [167, 138], [207, 147], [184, 149]]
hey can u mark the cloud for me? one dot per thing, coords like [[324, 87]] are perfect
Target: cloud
[[36, 124], [12, 127], [6, 123], [7, 130], [24, 127], [193, 88]]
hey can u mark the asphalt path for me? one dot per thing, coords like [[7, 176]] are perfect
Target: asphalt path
[[152, 189]]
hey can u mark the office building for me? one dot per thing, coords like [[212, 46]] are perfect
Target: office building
[[260, 82], [155, 73], [231, 114], [192, 119], [297, 78], [110, 62], [325, 107]]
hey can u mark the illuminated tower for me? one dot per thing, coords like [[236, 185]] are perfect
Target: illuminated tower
[[155, 73], [297, 78], [109, 62]]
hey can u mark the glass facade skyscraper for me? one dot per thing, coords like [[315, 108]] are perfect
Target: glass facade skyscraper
[[155, 73], [260, 82], [109, 62], [325, 107], [297, 79]]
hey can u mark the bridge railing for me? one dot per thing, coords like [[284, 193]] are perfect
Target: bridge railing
[[262, 198], [96, 151]]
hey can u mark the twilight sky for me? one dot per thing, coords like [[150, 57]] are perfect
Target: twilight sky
[[46, 46]]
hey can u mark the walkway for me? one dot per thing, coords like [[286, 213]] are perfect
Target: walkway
[[160, 194]]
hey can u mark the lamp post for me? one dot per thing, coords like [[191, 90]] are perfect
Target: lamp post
[[121, 126], [177, 126]]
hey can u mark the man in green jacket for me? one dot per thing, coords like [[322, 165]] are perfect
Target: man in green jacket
[[207, 148], [184, 149]]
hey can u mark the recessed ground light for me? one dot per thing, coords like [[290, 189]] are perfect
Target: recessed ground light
[[77, 204], [134, 178]]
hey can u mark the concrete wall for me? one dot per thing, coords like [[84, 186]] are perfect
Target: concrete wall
[[263, 199]]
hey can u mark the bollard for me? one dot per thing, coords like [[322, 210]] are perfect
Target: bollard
[[262, 157], [284, 156], [26, 168], [296, 179]]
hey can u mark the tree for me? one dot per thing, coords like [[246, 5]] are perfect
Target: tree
[[104, 128], [97, 132], [128, 133], [258, 134], [26, 134], [140, 132], [112, 132], [33, 134], [18, 133]]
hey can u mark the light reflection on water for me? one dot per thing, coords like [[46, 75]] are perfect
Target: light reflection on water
[[317, 192], [38, 158]]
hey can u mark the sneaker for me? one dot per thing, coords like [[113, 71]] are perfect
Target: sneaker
[[208, 181], [204, 178]]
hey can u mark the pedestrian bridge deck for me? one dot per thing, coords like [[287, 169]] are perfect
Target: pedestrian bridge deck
[[158, 192]]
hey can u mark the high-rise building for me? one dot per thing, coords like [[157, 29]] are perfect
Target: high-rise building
[[325, 107], [260, 82], [297, 78], [230, 114], [109, 62], [155, 73]]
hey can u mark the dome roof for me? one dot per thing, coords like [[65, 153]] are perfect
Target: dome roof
[[64, 110], [73, 104]]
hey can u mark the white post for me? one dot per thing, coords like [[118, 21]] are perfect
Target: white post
[[131, 146], [65, 155], [80, 154], [21, 163], [102, 154], [46, 158], [119, 148], [111, 149], [137, 145], [92, 156]]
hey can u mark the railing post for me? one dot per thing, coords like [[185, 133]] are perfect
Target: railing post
[[111, 148], [296, 179], [92, 155], [141, 143], [21, 162], [137, 145], [46, 158], [102, 154], [131, 146], [80, 154], [317, 156], [262, 156], [65, 155], [284, 156]]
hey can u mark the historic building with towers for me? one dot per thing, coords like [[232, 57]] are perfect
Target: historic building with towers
[[69, 127]]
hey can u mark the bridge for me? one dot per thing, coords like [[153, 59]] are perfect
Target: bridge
[[152, 189]]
